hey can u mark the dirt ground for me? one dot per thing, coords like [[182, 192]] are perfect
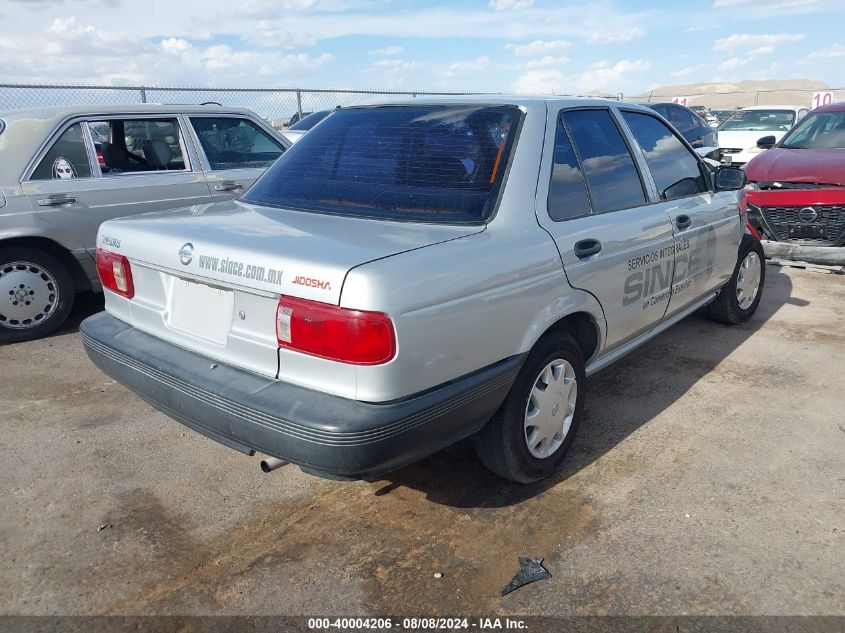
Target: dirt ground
[[708, 478]]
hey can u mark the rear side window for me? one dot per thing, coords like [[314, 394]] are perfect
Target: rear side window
[[427, 164], [607, 163], [567, 190], [66, 159], [138, 145], [233, 143], [676, 171]]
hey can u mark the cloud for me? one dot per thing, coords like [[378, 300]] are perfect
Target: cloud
[[547, 62], [510, 5], [75, 52], [834, 52], [690, 70], [747, 42], [472, 66], [750, 8], [268, 35], [613, 36], [540, 82], [388, 50], [601, 76], [539, 47]]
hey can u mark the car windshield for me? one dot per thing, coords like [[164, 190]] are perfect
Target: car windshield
[[306, 123], [440, 164], [760, 121], [817, 130]]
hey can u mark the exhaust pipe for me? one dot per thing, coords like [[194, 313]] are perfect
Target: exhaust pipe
[[269, 464]]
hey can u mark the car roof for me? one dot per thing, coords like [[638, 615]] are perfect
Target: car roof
[[503, 99], [776, 107], [56, 112], [832, 107]]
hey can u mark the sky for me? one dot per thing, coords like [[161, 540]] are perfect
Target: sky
[[522, 46]]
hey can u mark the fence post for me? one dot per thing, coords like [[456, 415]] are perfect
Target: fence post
[[299, 102], [143, 94]]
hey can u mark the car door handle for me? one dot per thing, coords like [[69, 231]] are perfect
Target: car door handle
[[228, 185], [683, 222], [56, 200], [585, 248]]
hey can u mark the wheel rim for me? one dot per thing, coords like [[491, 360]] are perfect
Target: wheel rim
[[748, 280], [29, 294], [550, 408]]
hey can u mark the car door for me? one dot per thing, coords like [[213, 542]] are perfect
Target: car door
[[614, 240], [236, 151], [73, 190], [706, 225]]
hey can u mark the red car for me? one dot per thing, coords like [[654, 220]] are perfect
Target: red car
[[796, 190]]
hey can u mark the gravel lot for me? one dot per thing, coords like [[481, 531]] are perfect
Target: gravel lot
[[708, 478]]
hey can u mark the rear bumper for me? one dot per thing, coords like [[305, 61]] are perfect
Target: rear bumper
[[249, 412]]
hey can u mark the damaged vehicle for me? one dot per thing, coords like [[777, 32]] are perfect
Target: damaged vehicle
[[796, 190], [409, 275]]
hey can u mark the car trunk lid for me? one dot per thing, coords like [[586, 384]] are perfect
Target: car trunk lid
[[208, 277]]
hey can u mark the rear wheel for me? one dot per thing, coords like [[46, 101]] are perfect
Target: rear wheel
[[528, 437], [739, 299], [36, 294]]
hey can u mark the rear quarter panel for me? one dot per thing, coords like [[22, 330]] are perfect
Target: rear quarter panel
[[462, 305]]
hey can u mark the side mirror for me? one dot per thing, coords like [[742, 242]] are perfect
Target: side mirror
[[767, 142], [730, 179]]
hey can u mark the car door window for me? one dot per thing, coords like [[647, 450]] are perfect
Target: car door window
[[676, 171], [138, 145], [612, 177], [567, 190], [235, 143], [67, 158]]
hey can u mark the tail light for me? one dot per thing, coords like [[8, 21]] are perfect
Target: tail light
[[340, 334], [115, 273]]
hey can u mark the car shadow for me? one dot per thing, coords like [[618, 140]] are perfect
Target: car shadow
[[84, 305], [620, 400]]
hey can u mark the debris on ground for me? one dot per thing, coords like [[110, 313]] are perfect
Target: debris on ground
[[530, 570]]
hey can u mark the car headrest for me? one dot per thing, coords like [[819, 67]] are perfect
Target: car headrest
[[157, 154], [113, 157]]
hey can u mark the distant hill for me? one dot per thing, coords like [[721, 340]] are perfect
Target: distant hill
[[740, 93]]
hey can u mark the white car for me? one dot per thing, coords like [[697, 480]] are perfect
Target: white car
[[738, 135]]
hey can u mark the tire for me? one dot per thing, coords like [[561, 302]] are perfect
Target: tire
[[503, 444], [36, 294], [731, 306]]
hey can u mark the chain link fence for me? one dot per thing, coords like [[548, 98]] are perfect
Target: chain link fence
[[280, 105], [277, 105]]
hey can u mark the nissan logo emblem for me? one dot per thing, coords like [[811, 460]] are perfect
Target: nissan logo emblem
[[808, 214], [186, 253]]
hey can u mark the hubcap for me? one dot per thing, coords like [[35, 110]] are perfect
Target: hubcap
[[28, 295], [748, 280], [550, 408]]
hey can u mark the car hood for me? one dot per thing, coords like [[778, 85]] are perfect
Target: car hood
[[742, 139], [235, 243], [824, 166]]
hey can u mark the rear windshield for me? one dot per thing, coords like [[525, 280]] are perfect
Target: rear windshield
[[440, 164], [760, 121], [310, 121]]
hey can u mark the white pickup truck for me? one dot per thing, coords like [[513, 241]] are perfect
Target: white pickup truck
[[412, 274]]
